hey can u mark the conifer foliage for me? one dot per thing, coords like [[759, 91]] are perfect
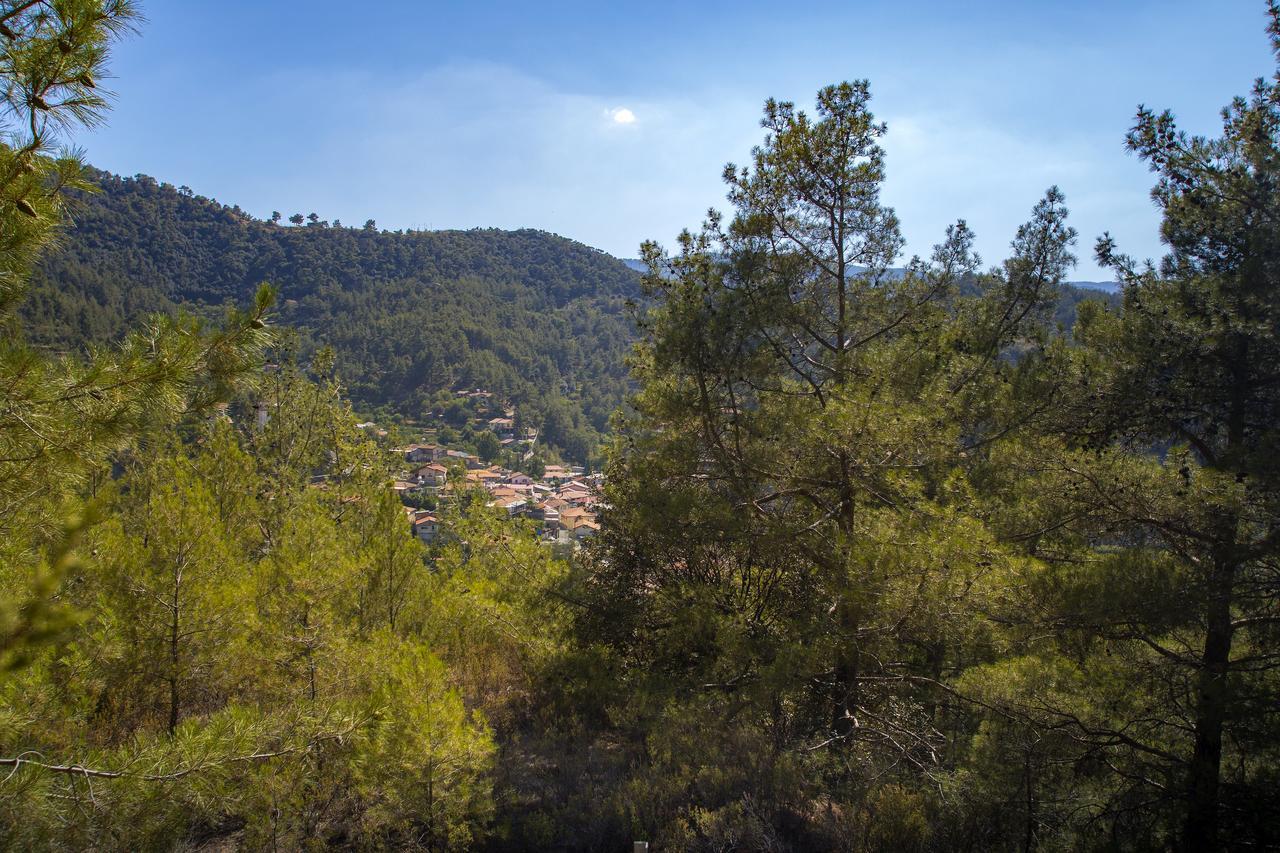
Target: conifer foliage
[[891, 559], [203, 620], [954, 576]]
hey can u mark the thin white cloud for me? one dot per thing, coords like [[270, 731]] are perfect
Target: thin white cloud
[[484, 145]]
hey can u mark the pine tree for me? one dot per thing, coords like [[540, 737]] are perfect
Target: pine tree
[[64, 417], [1197, 368], [793, 540], [175, 585]]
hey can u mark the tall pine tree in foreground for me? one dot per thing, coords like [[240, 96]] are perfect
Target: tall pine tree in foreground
[[796, 546], [1149, 631], [1197, 370]]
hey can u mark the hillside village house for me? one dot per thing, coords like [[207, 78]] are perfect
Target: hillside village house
[[421, 452], [584, 529], [433, 474], [574, 493], [570, 516], [502, 490], [513, 506], [485, 477], [503, 427], [426, 527]]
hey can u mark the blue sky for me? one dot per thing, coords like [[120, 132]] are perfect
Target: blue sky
[[505, 114]]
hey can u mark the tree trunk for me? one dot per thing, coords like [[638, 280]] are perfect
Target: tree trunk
[[174, 655], [1200, 832], [311, 662], [1029, 834], [847, 672]]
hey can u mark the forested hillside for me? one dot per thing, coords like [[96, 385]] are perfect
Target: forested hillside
[[536, 318], [526, 314]]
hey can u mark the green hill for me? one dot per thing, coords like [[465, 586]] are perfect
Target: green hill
[[534, 317]]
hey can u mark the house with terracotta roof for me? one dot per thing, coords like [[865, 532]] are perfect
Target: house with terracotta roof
[[503, 427], [513, 506], [570, 516], [554, 473], [426, 527], [555, 503], [432, 474], [573, 498], [420, 452], [584, 530]]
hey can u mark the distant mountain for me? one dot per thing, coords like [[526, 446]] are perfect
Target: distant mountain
[[1072, 293], [1107, 286], [534, 317]]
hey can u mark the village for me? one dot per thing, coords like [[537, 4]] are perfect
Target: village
[[562, 503]]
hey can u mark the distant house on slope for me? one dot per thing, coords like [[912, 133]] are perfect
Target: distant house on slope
[[584, 530], [503, 427], [426, 527], [433, 474], [555, 474], [420, 452], [513, 505], [571, 516]]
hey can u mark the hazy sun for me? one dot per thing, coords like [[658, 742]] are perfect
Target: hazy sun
[[622, 115]]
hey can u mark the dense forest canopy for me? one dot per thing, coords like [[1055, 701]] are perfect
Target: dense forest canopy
[[929, 557], [537, 319]]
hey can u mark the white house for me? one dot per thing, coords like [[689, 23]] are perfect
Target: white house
[[426, 527], [433, 474]]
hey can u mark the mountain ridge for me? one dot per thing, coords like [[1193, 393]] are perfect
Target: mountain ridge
[[540, 319], [1105, 286]]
